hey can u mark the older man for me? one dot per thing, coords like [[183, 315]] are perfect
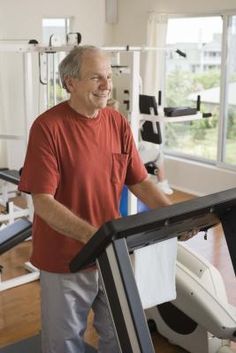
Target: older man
[[80, 155]]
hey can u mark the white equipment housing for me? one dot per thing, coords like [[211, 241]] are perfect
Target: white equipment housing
[[201, 318]]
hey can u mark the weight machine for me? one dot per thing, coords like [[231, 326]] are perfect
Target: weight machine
[[10, 236], [12, 212], [15, 227]]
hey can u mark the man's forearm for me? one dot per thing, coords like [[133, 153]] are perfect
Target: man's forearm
[[61, 218], [153, 197], [150, 194]]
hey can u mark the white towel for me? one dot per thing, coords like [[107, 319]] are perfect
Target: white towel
[[154, 271]]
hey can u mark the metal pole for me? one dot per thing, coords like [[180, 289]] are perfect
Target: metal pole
[[134, 115]]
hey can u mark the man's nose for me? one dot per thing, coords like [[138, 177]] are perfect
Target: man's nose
[[106, 83]]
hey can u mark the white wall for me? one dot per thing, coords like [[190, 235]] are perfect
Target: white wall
[[22, 19], [133, 15], [198, 178]]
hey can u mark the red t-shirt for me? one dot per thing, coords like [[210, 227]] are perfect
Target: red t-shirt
[[84, 164]]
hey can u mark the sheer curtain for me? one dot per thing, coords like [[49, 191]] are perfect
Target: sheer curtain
[[16, 73], [155, 60], [11, 109], [154, 75]]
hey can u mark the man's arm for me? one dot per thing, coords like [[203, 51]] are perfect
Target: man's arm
[[61, 218], [153, 197], [150, 194]]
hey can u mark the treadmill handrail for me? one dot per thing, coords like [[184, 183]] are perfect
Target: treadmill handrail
[[157, 225]]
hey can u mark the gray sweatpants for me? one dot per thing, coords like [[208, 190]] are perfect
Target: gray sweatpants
[[65, 303]]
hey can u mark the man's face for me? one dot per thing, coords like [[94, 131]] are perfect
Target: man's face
[[92, 89]]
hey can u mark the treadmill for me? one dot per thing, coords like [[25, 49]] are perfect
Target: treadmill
[[115, 240]]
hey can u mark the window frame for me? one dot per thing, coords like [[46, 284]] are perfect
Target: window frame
[[67, 20], [223, 104]]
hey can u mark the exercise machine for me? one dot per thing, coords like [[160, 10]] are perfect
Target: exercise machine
[[12, 212], [10, 236], [152, 117], [4, 184], [112, 243], [200, 319], [15, 228]]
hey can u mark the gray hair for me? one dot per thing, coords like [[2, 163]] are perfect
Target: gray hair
[[71, 64]]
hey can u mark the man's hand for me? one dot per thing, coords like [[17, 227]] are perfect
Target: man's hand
[[61, 219]]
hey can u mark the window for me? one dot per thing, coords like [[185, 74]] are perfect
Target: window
[[229, 113], [186, 78], [212, 140], [55, 30], [54, 33]]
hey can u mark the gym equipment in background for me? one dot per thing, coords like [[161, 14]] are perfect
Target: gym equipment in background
[[150, 131], [14, 233], [12, 212], [10, 236]]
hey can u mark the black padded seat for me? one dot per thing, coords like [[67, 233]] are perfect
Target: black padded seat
[[11, 175], [14, 234]]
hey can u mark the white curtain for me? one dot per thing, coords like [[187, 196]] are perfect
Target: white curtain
[[154, 65], [11, 105]]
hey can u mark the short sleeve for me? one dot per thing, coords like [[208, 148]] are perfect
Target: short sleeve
[[40, 171]]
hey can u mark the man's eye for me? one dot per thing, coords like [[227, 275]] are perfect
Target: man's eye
[[99, 78]]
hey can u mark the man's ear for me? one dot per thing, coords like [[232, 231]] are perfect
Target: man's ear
[[69, 83]]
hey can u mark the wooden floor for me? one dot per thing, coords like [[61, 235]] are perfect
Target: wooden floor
[[20, 306]]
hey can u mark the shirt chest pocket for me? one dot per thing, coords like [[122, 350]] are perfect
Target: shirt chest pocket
[[119, 167]]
